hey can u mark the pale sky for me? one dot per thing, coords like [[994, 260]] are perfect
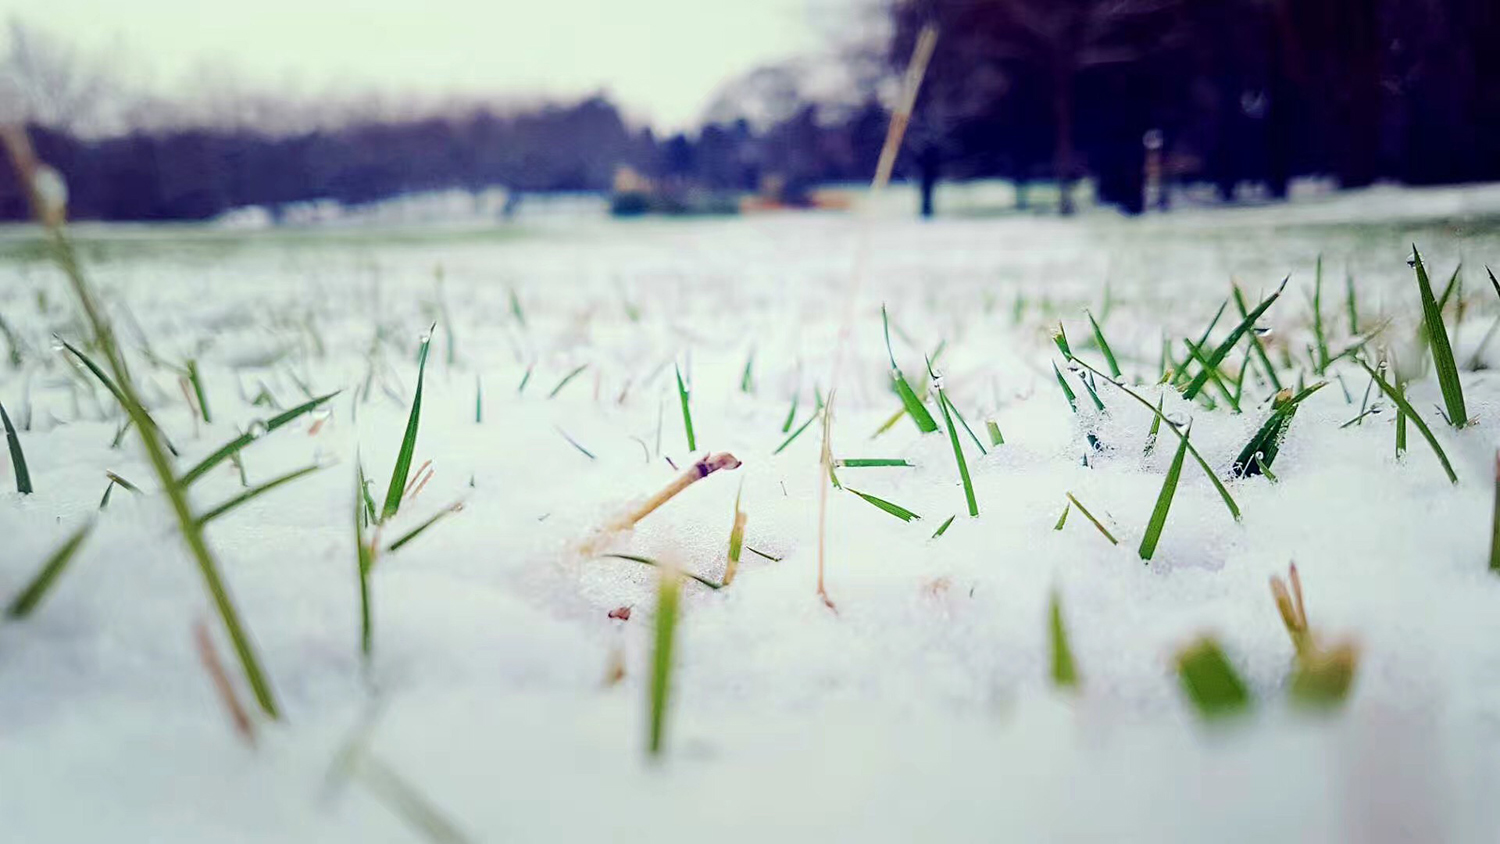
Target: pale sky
[[661, 60]]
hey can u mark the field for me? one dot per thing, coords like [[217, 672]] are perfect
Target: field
[[1022, 673]]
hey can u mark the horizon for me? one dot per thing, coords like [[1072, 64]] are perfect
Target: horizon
[[651, 58]]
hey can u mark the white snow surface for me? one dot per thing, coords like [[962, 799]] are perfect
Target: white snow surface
[[922, 709]]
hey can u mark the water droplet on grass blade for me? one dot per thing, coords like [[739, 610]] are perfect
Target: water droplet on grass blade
[[257, 429]]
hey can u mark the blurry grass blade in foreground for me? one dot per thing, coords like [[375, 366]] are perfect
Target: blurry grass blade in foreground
[[17, 457], [1442, 351], [1210, 681], [667, 595], [22, 605], [409, 439], [1064, 673]]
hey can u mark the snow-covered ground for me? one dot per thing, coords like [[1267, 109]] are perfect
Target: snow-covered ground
[[923, 708]]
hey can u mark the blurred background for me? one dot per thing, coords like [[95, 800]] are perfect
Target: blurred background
[[304, 113]]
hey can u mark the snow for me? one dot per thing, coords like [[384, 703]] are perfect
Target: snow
[[922, 708]]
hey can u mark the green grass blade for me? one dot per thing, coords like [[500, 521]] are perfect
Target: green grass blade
[[667, 596], [1109, 354], [954, 408], [1442, 351], [426, 523], [747, 378], [1267, 440], [1064, 673], [1256, 346], [1210, 681], [255, 492], [1351, 304], [797, 433], [525, 379], [687, 411], [1400, 401], [478, 400], [1067, 391], [943, 528], [515, 309], [1317, 306], [647, 561], [17, 457], [1400, 424], [1495, 522], [996, 438], [365, 559], [202, 395], [256, 431], [791, 415], [896, 510], [1196, 353], [870, 462], [1074, 502], [23, 604], [958, 453], [1163, 501], [565, 379], [409, 439], [1063, 519], [1218, 354], [913, 405]]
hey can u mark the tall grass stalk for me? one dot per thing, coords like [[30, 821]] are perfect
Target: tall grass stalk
[[1442, 351], [668, 592], [1164, 501], [408, 448], [50, 213]]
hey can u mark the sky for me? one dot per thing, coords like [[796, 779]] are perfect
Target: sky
[[661, 60]]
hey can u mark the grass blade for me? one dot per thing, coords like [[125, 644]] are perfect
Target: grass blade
[[409, 439], [1164, 501], [791, 415], [914, 407], [565, 379], [1321, 364], [1495, 523], [24, 603], [747, 378], [667, 595], [17, 457], [954, 408], [1255, 345], [896, 510], [197, 381], [255, 492], [1064, 673], [1261, 450], [996, 438], [365, 559], [1212, 685], [1074, 502], [256, 431], [1063, 518], [1218, 354], [736, 538], [1067, 391], [1400, 401], [943, 528], [870, 462], [647, 561], [797, 433], [687, 411], [1442, 351], [1109, 355], [958, 451], [426, 523]]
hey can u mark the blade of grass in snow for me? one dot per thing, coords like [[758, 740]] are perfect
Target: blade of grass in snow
[[1321, 362], [914, 407], [256, 431], [797, 433], [574, 443], [762, 554], [23, 604], [1442, 352], [1217, 356], [1255, 344], [1267, 440], [426, 523], [526, 378], [1064, 673], [1234, 509], [687, 411], [948, 403], [667, 594], [896, 510], [364, 558], [1196, 354], [17, 457], [736, 538], [746, 378], [958, 451], [791, 415], [478, 400], [409, 439], [1495, 522], [996, 438], [1104, 349], [1211, 683], [870, 462], [515, 309], [405, 800], [197, 381], [1074, 502], [255, 492], [1351, 304], [114, 390], [1163, 501], [565, 379], [1400, 401], [943, 528], [1155, 428], [1063, 518], [1067, 391], [647, 561]]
